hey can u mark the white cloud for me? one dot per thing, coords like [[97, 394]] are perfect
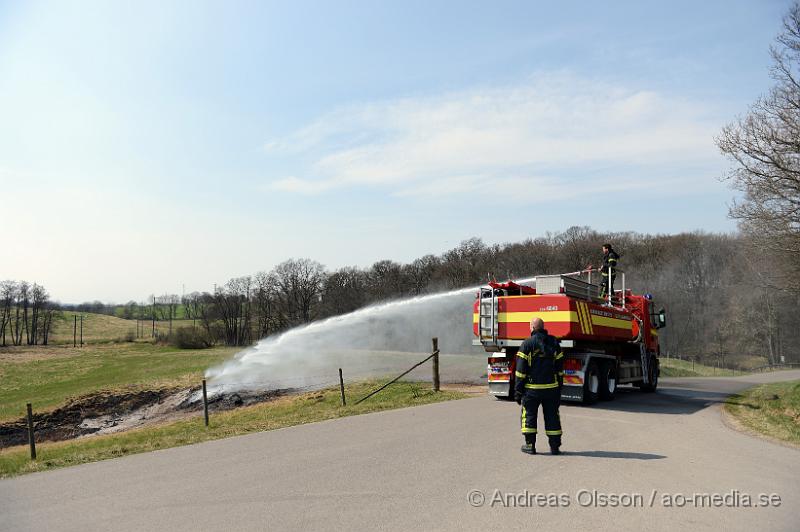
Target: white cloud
[[551, 133]]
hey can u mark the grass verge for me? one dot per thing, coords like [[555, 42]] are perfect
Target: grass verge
[[770, 409], [673, 367], [282, 412]]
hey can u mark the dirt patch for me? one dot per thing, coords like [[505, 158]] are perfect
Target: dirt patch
[[110, 412]]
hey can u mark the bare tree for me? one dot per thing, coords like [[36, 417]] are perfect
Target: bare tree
[[39, 298], [20, 320], [468, 263], [49, 312], [764, 146], [420, 273], [233, 311], [8, 290], [345, 290], [299, 287], [386, 280], [266, 302]]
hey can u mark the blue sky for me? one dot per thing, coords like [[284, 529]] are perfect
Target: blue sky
[[147, 146]]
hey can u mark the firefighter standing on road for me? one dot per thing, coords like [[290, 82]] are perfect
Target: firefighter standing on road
[[608, 271], [539, 377]]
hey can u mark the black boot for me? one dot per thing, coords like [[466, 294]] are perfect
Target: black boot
[[530, 444], [555, 446]]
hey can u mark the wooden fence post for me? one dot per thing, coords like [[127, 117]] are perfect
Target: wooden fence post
[[30, 432], [205, 402], [435, 364], [341, 386]]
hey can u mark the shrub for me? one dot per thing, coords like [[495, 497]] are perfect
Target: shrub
[[190, 338]]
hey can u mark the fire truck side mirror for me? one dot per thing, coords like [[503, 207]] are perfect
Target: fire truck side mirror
[[662, 318]]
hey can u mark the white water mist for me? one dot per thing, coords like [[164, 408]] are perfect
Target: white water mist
[[375, 340]]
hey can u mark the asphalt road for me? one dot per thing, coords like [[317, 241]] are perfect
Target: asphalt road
[[415, 468]]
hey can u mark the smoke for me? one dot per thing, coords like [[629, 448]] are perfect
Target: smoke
[[376, 340]]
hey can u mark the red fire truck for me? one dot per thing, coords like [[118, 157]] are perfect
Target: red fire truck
[[607, 342]]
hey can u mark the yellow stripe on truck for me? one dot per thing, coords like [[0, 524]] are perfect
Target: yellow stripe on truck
[[588, 318], [581, 317], [612, 322], [548, 315]]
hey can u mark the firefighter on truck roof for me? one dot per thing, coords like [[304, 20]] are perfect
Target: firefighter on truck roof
[[539, 377], [608, 270]]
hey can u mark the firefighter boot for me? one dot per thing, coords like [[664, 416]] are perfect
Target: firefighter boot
[[530, 444], [555, 445]]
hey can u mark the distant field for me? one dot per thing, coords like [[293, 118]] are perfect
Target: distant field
[[96, 328], [48, 376], [104, 328]]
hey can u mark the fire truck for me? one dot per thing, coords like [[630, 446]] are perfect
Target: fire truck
[[607, 341]]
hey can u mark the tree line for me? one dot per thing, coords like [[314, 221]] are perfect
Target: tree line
[[722, 293], [26, 313]]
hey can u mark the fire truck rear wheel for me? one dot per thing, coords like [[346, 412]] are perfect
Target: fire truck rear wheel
[[591, 384], [608, 381]]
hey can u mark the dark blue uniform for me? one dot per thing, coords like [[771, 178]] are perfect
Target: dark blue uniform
[[539, 377], [608, 272]]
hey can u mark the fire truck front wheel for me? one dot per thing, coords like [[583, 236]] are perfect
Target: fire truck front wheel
[[653, 374], [591, 384]]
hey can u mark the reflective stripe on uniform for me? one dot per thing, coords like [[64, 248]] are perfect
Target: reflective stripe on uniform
[[560, 355], [519, 375], [542, 386], [553, 432], [524, 356]]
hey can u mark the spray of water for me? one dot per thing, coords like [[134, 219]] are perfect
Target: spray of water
[[376, 340]]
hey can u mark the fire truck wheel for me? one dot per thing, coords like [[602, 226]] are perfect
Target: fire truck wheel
[[608, 381], [591, 384], [654, 371]]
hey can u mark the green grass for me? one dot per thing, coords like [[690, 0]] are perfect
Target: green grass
[[48, 376], [673, 367], [282, 412], [769, 409]]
